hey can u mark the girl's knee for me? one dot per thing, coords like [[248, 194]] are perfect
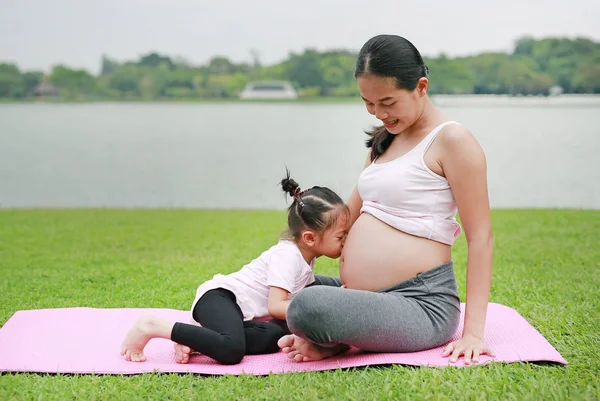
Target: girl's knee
[[271, 337], [233, 356], [231, 353]]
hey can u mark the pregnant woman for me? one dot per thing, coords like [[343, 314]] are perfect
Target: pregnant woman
[[397, 290]]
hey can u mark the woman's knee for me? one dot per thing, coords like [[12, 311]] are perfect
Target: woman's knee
[[309, 310]]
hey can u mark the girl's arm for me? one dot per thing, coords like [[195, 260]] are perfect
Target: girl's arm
[[278, 302], [464, 166]]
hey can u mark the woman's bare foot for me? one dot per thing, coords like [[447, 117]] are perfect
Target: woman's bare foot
[[182, 353], [145, 328], [302, 350]]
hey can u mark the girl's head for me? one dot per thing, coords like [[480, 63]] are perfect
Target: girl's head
[[392, 79], [317, 218]]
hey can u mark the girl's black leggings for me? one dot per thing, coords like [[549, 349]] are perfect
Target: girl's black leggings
[[224, 335]]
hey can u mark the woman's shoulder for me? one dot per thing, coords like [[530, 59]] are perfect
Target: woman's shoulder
[[454, 131], [457, 137]]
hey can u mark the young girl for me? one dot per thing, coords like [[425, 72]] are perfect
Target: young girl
[[226, 305]]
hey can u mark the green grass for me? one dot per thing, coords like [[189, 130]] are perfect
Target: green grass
[[546, 267]]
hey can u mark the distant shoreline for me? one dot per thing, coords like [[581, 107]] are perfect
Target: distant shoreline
[[440, 100], [189, 100]]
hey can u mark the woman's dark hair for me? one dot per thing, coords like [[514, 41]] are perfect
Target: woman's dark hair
[[394, 57], [316, 208]]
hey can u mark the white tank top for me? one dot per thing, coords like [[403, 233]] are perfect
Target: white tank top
[[405, 194]]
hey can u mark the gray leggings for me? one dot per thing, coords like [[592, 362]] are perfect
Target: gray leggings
[[417, 314]]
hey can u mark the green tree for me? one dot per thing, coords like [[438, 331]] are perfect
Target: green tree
[[153, 60], [524, 46], [11, 81], [531, 68], [126, 80], [304, 69], [337, 72], [75, 83], [108, 66], [31, 80], [486, 69], [587, 79], [450, 76], [221, 66], [274, 72]]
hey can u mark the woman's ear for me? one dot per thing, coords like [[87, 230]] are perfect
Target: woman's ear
[[422, 86], [308, 237]]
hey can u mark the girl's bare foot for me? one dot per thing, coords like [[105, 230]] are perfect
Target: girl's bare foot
[[145, 328], [302, 350], [182, 353]]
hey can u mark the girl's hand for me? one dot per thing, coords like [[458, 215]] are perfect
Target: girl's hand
[[469, 346]]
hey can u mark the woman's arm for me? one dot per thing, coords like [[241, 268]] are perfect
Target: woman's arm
[[355, 202], [464, 165]]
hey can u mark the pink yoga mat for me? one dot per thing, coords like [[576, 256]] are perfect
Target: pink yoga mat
[[87, 340]]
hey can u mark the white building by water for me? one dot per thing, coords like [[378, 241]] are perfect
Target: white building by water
[[269, 90]]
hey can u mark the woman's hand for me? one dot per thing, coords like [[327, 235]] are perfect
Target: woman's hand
[[469, 346]]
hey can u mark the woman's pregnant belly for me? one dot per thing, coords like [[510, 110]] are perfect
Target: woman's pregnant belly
[[377, 256]]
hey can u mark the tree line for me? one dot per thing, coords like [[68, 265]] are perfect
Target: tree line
[[532, 68]]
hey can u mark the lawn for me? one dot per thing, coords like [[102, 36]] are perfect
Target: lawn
[[546, 266]]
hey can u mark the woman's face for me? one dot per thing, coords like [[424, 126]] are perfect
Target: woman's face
[[397, 109]]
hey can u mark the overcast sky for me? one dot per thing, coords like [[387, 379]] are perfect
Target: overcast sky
[[37, 34]]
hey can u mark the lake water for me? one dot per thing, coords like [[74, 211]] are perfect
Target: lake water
[[540, 152]]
